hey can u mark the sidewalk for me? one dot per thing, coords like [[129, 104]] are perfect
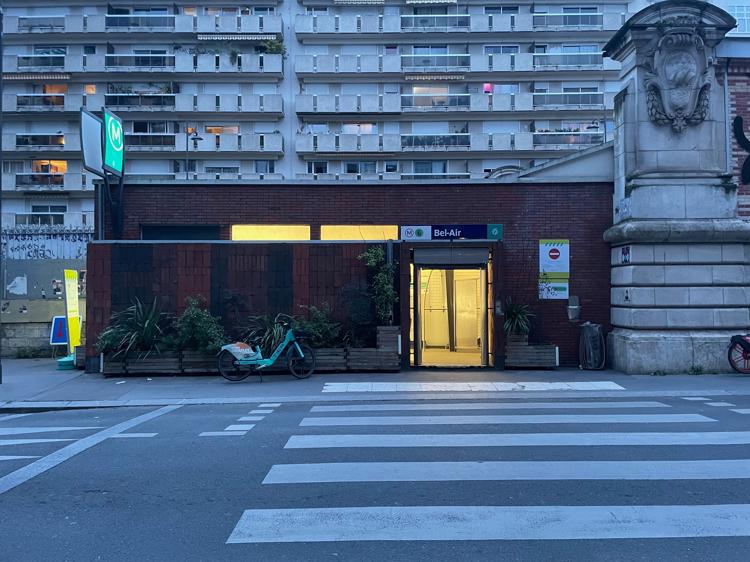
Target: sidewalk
[[36, 383]]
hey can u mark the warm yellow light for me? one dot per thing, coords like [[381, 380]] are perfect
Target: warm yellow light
[[358, 232], [270, 232], [90, 88]]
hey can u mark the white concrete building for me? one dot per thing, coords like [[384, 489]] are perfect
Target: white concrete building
[[307, 90]]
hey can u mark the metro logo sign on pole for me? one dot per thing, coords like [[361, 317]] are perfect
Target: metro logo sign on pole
[[72, 311], [113, 143]]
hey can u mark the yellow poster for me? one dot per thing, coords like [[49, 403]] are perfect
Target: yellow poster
[[72, 313]]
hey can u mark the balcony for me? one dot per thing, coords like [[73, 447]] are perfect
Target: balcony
[[567, 60], [262, 104], [436, 102], [569, 100], [159, 22], [347, 143], [247, 142], [435, 63], [563, 140], [333, 103], [138, 62], [436, 176], [347, 64], [34, 103], [141, 102], [40, 62], [238, 24], [568, 21], [148, 142], [436, 23], [457, 141], [41, 141], [39, 181], [40, 24]]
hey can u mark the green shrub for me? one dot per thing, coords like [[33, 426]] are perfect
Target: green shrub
[[381, 290], [138, 328], [196, 330], [320, 330], [517, 318]]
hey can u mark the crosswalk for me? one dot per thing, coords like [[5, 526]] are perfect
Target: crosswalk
[[448, 445]]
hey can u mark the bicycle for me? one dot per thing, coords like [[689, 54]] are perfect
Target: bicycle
[[237, 361]]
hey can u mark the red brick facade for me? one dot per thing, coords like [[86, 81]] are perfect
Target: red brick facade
[[529, 212], [739, 99]]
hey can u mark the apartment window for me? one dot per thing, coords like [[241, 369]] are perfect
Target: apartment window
[[430, 50], [317, 167], [145, 127], [49, 166], [489, 88], [580, 10], [316, 10], [367, 167], [579, 89], [264, 10], [222, 129], [430, 166], [501, 49], [391, 49], [226, 170], [742, 15], [190, 11], [90, 88], [264, 166], [497, 10], [580, 49], [359, 128], [358, 232], [50, 50], [13, 167], [391, 166], [44, 215]]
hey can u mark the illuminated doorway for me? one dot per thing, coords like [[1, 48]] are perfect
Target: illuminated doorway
[[451, 317]]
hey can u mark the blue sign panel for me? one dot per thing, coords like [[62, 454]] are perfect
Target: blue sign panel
[[59, 333], [459, 231]]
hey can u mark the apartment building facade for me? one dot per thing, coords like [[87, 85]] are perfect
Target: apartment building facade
[[299, 91]]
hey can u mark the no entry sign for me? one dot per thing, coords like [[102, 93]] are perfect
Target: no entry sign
[[554, 254]]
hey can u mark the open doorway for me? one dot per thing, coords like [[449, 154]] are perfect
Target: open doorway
[[451, 317]]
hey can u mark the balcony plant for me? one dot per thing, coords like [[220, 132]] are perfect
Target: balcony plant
[[274, 47]]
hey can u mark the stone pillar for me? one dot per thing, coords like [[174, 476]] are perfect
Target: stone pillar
[[680, 257]]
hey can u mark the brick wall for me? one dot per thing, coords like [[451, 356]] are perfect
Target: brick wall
[[739, 99], [529, 212]]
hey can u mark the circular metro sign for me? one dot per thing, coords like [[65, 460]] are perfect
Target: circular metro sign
[[554, 254], [114, 131]]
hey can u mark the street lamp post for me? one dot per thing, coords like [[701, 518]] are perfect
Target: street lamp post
[[189, 135]]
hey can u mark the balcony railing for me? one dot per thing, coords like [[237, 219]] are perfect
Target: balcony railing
[[153, 140], [429, 102], [567, 138], [49, 141], [160, 21], [436, 176], [435, 62], [37, 24], [141, 101], [569, 99], [41, 61], [457, 140], [595, 21], [140, 61], [39, 180], [435, 23], [567, 59], [40, 101]]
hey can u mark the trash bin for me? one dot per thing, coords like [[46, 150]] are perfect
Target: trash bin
[[592, 353]]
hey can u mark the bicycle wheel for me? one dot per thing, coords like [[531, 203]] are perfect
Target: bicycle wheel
[[301, 367], [739, 359], [229, 369]]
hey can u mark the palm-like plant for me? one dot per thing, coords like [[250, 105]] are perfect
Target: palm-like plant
[[267, 331], [137, 328], [517, 318]]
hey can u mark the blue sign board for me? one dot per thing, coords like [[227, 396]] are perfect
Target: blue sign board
[[459, 231], [59, 333]]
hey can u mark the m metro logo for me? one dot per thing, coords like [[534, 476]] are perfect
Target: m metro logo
[[114, 143]]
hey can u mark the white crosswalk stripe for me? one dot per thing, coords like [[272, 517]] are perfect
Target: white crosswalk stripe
[[467, 386], [451, 464]]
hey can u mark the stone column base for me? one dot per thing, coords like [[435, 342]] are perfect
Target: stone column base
[[641, 352]]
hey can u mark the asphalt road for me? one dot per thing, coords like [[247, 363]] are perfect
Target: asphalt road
[[508, 479]]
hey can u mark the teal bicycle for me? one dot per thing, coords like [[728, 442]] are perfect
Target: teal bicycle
[[237, 361]]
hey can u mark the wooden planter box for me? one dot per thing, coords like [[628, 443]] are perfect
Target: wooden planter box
[[196, 362], [133, 364], [540, 356], [372, 359], [387, 337], [330, 359]]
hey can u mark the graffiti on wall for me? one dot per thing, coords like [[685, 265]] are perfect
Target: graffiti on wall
[[45, 242]]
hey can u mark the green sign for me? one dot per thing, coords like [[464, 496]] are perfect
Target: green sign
[[113, 143], [494, 232]]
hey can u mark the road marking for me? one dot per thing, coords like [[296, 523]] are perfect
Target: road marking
[[719, 404], [222, 433], [22, 430], [510, 419], [461, 523], [506, 470], [15, 458], [29, 441], [251, 418], [240, 427], [742, 410], [466, 386], [261, 411], [274, 405], [694, 398], [517, 440], [18, 477], [489, 406], [124, 435], [12, 417]]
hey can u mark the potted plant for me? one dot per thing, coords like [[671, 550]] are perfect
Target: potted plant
[[324, 336], [196, 336], [517, 322]]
